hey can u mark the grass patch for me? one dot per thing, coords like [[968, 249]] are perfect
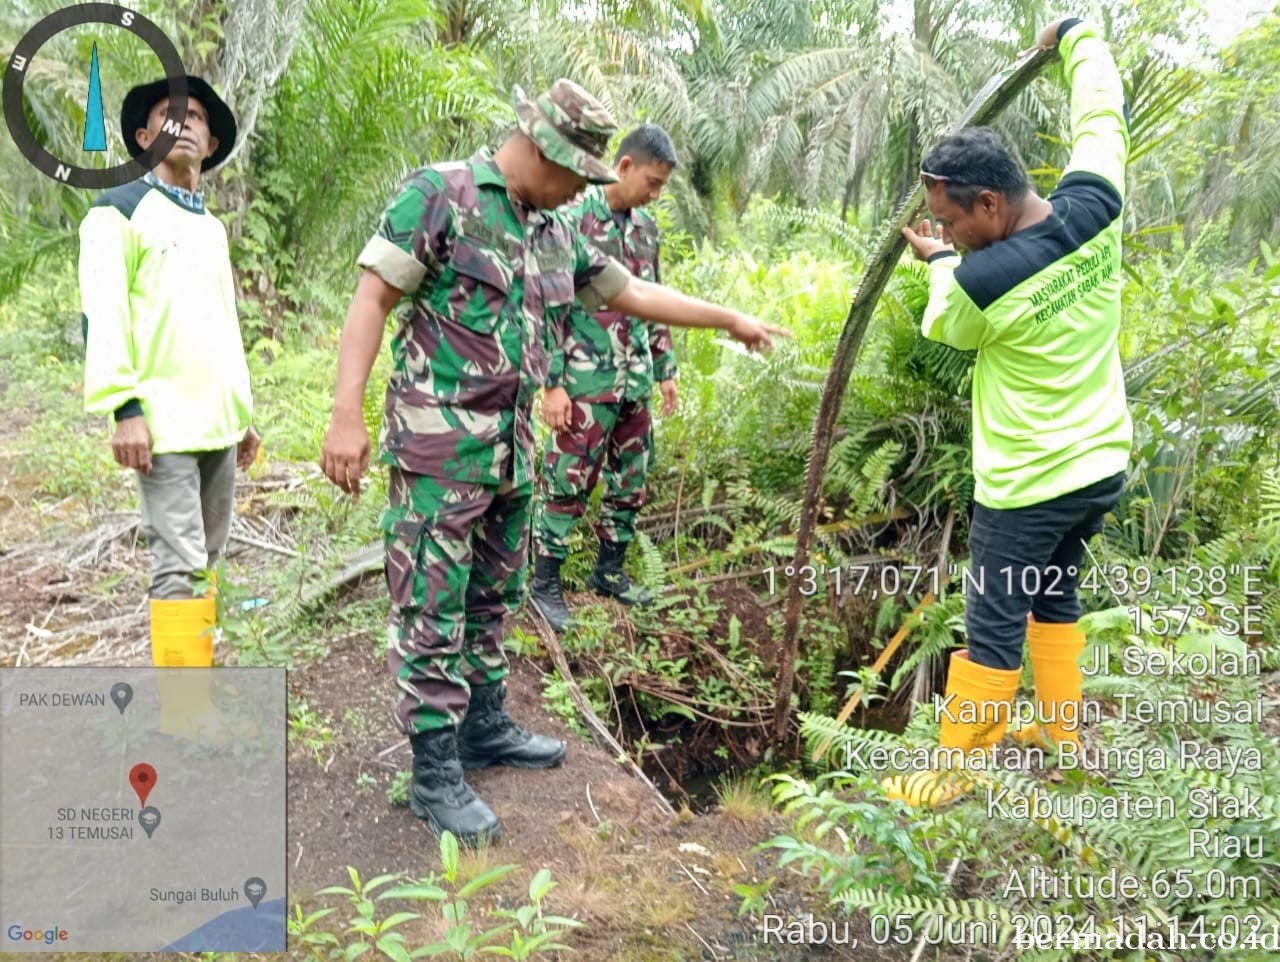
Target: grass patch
[[744, 799]]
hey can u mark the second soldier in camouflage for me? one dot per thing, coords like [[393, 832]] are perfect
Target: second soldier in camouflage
[[599, 385], [484, 276]]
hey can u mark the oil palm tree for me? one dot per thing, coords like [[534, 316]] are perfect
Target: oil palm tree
[[368, 96]]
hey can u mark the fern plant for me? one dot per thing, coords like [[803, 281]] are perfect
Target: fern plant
[[1203, 856]]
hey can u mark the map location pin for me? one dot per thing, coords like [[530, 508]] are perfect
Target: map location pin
[[255, 888], [143, 778], [149, 818], [122, 694]]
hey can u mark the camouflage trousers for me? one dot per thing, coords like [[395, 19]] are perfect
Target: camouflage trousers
[[456, 556], [615, 437]]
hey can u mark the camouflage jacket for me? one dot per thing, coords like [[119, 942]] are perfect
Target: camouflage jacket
[[488, 286], [608, 356]]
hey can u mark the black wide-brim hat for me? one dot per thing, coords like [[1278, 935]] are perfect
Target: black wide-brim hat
[[137, 108]]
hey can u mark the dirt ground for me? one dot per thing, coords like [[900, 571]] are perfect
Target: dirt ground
[[649, 886]]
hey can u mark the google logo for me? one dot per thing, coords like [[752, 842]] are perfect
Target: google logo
[[18, 934]]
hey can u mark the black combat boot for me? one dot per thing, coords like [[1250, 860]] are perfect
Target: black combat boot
[[489, 736], [610, 580], [546, 593], [439, 794]]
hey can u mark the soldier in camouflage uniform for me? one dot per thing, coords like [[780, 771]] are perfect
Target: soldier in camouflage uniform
[[599, 385], [485, 274]]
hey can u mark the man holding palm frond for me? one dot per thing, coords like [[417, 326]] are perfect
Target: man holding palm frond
[[1037, 294]]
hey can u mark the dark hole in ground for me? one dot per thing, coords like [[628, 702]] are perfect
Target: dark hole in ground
[[688, 758]]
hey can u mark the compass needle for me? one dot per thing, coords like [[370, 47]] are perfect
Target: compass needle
[[95, 124]]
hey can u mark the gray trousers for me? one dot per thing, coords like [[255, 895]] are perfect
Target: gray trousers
[[186, 515]]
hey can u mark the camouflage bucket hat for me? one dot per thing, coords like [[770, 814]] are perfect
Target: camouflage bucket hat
[[571, 128]]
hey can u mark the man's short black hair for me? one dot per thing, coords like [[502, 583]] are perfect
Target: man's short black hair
[[648, 144], [975, 159]]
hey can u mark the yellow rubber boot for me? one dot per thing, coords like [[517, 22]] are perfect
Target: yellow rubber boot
[[182, 632], [975, 713], [182, 640], [1055, 664]]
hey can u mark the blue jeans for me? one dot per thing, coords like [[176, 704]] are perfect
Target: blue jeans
[[1028, 560]]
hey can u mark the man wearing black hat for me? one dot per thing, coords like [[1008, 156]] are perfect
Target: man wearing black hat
[[163, 355]]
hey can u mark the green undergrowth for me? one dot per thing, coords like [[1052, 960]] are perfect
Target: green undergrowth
[[459, 905]]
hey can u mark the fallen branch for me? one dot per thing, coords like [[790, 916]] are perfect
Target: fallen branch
[[88, 550], [603, 737], [365, 561], [264, 545]]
